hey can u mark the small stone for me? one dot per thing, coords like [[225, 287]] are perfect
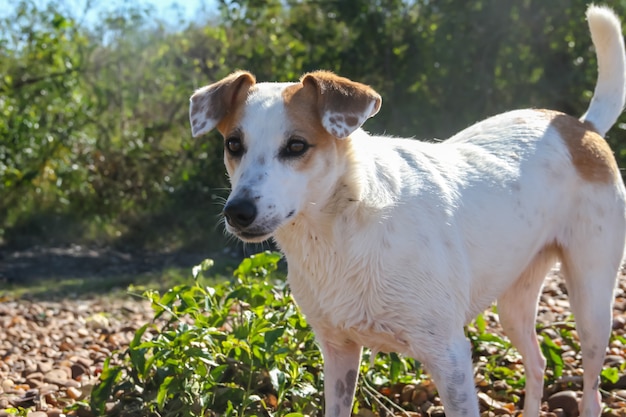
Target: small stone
[[45, 365], [34, 379], [74, 393], [420, 396], [558, 412], [436, 411], [425, 407], [55, 412], [407, 393], [7, 385], [365, 412], [565, 400], [501, 386], [78, 369], [57, 374], [37, 414], [613, 361]]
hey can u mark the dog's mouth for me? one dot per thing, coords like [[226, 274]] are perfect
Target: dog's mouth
[[251, 237], [243, 220]]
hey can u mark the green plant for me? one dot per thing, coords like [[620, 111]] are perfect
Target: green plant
[[210, 352]]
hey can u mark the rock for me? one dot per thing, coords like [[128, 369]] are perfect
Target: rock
[[436, 411], [78, 370], [34, 379], [57, 374], [420, 397], [558, 412], [501, 386], [425, 407], [365, 412], [406, 395], [37, 414], [565, 400], [489, 404], [7, 385], [74, 393], [55, 412], [613, 361]]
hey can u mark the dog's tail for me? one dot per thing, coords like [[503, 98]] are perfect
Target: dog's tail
[[609, 96]]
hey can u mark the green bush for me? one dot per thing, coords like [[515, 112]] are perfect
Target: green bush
[[239, 348], [216, 354]]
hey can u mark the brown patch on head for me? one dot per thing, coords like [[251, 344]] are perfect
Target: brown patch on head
[[304, 121], [591, 155]]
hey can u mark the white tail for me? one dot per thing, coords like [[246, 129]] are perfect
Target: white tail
[[609, 96]]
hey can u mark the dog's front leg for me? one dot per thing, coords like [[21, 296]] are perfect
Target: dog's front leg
[[453, 375], [341, 369]]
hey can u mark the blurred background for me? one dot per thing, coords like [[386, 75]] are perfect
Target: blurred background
[[99, 173]]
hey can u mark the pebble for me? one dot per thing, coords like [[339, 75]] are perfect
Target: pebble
[[565, 400], [49, 353]]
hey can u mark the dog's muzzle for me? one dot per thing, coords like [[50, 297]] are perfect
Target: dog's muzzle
[[240, 213]]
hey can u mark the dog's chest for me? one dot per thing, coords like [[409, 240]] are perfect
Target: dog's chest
[[338, 307]]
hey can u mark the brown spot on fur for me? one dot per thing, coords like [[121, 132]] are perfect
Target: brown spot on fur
[[352, 121], [300, 104], [591, 155]]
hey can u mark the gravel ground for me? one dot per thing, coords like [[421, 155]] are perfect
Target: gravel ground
[[51, 353]]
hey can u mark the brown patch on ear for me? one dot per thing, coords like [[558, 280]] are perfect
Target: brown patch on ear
[[342, 105], [217, 104], [591, 155]]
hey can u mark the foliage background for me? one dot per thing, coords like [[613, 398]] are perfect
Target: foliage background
[[94, 137]]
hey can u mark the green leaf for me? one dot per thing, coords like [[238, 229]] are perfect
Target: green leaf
[[610, 374], [396, 367], [480, 323], [163, 391], [272, 336]]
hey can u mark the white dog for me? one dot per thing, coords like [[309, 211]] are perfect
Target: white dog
[[395, 244]]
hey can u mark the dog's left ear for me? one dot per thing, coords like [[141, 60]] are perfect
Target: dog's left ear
[[209, 105], [343, 105]]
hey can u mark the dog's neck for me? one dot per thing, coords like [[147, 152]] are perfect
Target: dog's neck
[[360, 193]]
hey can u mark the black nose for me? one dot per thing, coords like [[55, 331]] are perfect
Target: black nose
[[240, 212]]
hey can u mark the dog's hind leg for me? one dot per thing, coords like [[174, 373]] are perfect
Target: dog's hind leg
[[517, 309], [590, 275], [341, 369]]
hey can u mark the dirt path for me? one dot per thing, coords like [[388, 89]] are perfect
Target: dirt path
[[76, 261]]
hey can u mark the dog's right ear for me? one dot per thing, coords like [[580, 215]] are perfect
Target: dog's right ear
[[209, 105], [343, 105]]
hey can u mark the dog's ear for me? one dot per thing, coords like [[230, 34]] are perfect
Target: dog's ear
[[343, 105], [209, 105]]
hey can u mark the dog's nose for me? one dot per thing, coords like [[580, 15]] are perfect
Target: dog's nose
[[240, 212]]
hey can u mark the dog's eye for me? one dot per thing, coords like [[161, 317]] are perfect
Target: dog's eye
[[295, 147], [234, 146]]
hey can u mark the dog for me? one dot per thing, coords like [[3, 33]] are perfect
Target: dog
[[396, 244]]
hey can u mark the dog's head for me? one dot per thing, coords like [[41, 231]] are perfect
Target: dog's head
[[281, 142]]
